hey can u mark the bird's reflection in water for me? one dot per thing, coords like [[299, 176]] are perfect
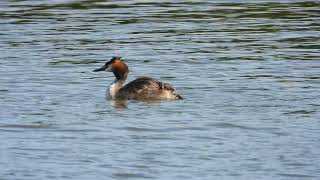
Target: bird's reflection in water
[[119, 103], [124, 103]]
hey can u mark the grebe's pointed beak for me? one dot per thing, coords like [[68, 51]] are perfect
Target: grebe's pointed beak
[[100, 69]]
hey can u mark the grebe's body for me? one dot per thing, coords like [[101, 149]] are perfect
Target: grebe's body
[[143, 88]]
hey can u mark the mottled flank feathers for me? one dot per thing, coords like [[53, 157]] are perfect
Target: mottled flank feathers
[[146, 88]]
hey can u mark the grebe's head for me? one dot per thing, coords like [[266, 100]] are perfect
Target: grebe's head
[[117, 66]]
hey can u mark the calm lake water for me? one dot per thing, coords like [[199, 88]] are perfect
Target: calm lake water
[[249, 72]]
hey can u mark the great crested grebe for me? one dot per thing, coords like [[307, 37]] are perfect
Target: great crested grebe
[[143, 88]]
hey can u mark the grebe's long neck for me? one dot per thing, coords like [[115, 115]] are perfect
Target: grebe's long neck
[[120, 71], [114, 87]]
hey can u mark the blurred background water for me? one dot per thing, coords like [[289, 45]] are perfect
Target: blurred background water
[[248, 70]]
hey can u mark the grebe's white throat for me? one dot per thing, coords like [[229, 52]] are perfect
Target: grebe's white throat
[[114, 88]]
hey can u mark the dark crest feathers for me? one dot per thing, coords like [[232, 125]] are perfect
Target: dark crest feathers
[[114, 58]]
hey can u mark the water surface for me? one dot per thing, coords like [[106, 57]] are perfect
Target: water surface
[[248, 70]]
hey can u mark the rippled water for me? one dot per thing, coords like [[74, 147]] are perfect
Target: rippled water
[[249, 72]]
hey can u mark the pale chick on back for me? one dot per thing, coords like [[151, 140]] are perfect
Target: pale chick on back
[[143, 88]]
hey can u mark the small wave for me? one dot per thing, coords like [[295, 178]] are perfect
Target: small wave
[[26, 126], [129, 175], [300, 112], [230, 125], [295, 175]]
